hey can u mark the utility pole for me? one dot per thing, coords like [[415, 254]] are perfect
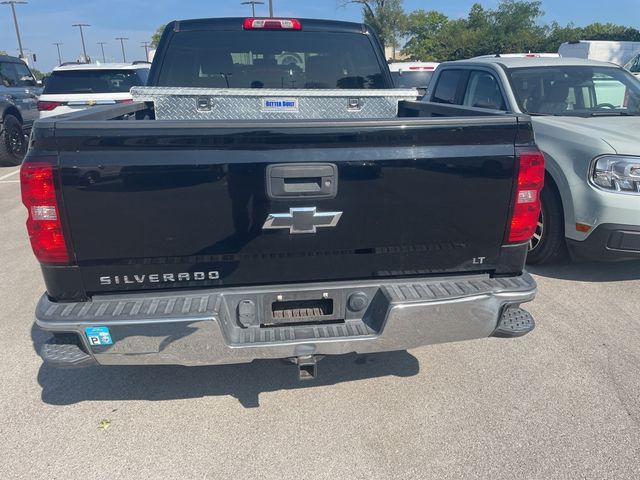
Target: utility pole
[[84, 50], [59, 56], [122, 39], [271, 8], [102, 44], [13, 4], [253, 4], [146, 50]]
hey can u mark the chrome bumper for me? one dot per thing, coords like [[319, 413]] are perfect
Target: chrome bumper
[[205, 327]]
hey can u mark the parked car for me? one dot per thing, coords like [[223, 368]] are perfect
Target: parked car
[[586, 117], [229, 231], [77, 86], [633, 65], [412, 74], [618, 52], [19, 92]]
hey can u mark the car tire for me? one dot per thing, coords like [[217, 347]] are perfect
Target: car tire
[[12, 142], [548, 242]]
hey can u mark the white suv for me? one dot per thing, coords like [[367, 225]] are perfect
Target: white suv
[[76, 86], [412, 74]]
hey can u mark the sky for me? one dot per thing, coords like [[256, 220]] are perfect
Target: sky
[[43, 22]]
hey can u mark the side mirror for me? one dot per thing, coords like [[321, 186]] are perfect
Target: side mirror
[[39, 83]]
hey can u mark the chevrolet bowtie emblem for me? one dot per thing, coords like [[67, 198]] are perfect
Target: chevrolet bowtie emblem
[[302, 220]]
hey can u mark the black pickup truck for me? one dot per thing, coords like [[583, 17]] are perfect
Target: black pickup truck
[[222, 223]]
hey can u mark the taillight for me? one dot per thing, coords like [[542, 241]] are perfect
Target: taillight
[[44, 106], [126, 100], [272, 24], [526, 208], [43, 225]]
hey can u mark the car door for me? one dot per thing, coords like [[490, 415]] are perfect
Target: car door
[[28, 92]]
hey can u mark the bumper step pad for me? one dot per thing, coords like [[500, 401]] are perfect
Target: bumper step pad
[[515, 322], [63, 351]]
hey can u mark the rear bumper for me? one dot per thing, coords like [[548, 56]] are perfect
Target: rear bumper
[[608, 242], [215, 327]]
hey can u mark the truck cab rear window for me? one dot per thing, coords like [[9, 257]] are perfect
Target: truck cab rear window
[[410, 79], [270, 59], [92, 81]]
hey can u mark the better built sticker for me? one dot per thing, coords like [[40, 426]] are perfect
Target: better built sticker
[[98, 336], [279, 104]]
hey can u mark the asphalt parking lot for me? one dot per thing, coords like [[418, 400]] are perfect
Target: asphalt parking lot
[[562, 402]]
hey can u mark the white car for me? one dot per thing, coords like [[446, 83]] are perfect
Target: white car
[[412, 74], [73, 87]]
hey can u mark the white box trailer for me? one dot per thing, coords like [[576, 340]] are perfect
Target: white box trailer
[[605, 51]]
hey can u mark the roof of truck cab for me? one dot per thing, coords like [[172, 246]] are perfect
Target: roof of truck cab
[[236, 23], [519, 62], [101, 66], [9, 58]]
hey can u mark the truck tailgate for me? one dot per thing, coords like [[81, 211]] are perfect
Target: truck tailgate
[[152, 204]]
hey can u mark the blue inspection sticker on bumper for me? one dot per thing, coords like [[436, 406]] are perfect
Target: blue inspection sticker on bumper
[[98, 336]]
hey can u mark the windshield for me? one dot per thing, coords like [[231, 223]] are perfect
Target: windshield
[[406, 79], [92, 81], [579, 90], [270, 59]]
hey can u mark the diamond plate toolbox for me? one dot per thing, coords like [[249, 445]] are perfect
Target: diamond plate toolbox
[[175, 103]]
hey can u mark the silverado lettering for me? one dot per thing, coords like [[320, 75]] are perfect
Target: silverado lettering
[[159, 278]]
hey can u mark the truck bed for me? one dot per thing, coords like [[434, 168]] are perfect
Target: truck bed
[[212, 225]]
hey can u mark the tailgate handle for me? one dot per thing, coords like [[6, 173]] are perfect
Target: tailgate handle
[[302, 180]]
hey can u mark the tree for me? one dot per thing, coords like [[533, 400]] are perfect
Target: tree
[[557, 34], [155, 38], [515, 26], [511, 27], [424, 32], [386, 17]]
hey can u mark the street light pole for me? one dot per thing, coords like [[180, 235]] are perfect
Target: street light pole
[[271, 8], [146, 50], [84, 50], [13, 4], [59, 56], [122, 39], [253, 4], [102, 44]]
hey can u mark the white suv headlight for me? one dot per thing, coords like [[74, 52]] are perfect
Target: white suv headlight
[[616, 173]]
